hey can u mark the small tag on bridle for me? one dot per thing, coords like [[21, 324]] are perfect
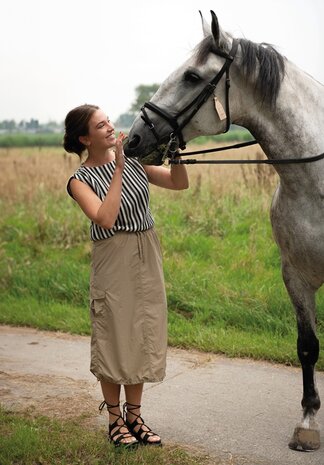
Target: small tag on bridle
[[219, 109]]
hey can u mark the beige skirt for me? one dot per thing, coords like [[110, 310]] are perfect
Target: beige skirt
[[128, 309]]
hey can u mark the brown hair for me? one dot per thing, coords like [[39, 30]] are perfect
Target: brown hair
[[76, 125]]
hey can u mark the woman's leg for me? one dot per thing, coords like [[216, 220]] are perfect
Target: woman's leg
[[111, 393], [133, 394]]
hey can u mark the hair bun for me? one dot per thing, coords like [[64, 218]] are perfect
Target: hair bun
[[72, 144], [76, 125]]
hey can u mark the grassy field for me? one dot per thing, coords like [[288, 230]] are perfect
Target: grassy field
[[222, 267], [222, 271], [22, 139]]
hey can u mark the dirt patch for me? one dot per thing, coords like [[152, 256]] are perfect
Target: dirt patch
[[54, 396]]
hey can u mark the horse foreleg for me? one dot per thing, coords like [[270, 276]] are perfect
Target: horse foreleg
[[306, 435]]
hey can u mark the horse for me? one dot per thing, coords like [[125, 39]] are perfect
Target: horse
[[228, 80]]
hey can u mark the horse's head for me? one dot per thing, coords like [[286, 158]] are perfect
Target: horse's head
[[195, 99], [190, 102]]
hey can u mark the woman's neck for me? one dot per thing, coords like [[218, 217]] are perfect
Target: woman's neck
[[99, 158]]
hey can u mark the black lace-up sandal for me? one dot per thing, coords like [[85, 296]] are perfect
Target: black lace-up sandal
[[138, 428], [114, 432]]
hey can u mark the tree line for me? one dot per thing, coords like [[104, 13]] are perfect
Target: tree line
[[143, 93], [32, 126]]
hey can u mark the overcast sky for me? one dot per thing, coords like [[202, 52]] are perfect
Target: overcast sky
[[55, 55]]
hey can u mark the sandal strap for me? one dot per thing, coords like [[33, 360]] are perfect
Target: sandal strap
[[147, 433], [138, 433], [121, 436], [116, 436], [109, 406], [127, 408]]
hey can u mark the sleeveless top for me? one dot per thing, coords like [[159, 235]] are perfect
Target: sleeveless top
[[134, 213]]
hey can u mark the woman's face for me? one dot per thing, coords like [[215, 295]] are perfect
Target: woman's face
[[101, 131]]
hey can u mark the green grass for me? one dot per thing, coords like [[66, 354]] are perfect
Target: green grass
[[48, 139], [222, 272], [30, 140], [234, 135], [26, 440]]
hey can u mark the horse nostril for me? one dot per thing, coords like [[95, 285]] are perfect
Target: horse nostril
[[134, 142]]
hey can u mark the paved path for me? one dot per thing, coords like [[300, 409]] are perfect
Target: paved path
[[238, 411]]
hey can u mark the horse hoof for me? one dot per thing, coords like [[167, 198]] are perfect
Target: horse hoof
[[305, 439]]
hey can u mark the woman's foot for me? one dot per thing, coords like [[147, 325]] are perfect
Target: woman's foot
[[137, 427], [118, 432]]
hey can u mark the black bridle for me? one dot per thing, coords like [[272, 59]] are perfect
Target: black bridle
[[194, 106], [171, 148]]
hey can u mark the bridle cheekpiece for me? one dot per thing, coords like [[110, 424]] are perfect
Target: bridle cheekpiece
[[191, 109]]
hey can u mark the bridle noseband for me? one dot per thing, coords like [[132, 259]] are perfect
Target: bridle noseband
[[192, 107]]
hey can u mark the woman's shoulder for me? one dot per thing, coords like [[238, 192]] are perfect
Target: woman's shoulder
[[81, 174]]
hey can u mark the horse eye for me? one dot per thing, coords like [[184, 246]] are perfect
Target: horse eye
[[192, 77]]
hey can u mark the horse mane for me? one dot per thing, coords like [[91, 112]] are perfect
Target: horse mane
[[261, 61]]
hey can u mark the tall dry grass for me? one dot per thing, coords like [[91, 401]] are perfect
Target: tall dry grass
[[26, 173], [232, 179]]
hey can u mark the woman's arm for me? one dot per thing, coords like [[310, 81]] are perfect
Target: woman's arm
[[103, 213], [175, 178]]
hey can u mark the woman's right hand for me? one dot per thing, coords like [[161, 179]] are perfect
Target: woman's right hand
[[119, 154]]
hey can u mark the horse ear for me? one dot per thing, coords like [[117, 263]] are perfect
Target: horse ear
[[205, 25], [215, 29]]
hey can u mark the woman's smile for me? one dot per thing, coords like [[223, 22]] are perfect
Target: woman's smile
[[110, 133]]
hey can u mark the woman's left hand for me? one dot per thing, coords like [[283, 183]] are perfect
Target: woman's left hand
[[120, 156]]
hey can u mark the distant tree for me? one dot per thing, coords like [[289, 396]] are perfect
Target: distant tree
[[144, 93], [53, 126], [125, 120], [22, 125], [33, 124], [8, 125]]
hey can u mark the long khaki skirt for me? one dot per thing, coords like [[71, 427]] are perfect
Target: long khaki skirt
[[128, 309]]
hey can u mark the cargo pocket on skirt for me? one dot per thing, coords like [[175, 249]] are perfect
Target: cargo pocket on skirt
[[98, 306]]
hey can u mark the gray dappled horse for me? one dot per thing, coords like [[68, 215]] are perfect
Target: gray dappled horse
[[283, 107]]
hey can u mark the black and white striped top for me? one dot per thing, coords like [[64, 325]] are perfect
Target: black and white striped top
[[134, 213]]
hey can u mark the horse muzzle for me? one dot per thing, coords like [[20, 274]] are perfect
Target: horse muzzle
[[149, 152]]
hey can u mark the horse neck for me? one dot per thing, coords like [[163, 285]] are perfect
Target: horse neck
[[294, 128], [294, 122]]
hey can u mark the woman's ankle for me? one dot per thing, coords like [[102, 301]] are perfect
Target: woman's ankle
[[132, 412], [114, 411], [114, 414]]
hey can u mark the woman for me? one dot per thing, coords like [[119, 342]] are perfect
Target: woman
[[127, 294]]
